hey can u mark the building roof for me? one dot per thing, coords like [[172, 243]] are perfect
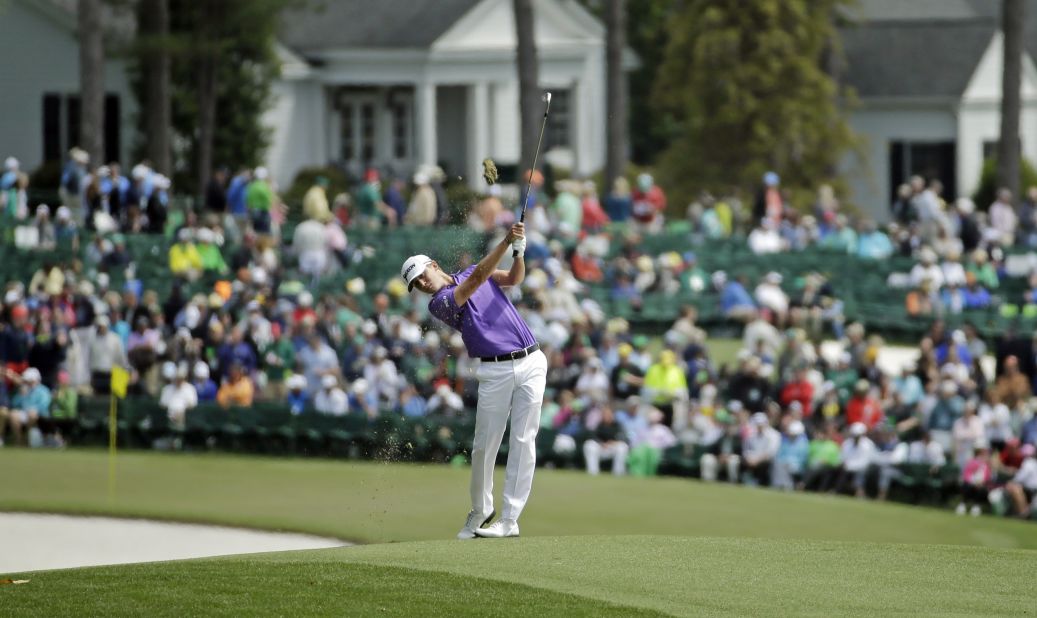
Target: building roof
[[922, 48], [912, 59], [399, 24]]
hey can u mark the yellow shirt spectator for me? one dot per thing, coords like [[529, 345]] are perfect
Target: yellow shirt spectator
[[236, 391], [184, 258], [665, 380]]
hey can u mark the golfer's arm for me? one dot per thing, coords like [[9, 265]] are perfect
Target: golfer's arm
[[515, 276], [486, 267]]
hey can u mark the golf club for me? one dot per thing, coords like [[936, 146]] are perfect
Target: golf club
[[536, 155]]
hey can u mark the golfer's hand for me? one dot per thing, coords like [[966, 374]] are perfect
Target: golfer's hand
[[517, 231]]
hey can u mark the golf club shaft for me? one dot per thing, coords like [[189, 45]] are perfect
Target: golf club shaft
[[532, 170]]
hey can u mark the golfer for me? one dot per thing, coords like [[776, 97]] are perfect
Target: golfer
[[512, 374]]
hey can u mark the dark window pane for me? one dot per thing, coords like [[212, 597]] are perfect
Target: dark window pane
[[112, 122], [51, 127]]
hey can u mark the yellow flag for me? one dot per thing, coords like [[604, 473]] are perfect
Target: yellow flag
[[120, 380]]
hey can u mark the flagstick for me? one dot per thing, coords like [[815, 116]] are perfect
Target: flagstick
[[112, 429]]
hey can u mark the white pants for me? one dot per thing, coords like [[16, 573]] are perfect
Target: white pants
[[514, 388], [594, 452], [709, 465]]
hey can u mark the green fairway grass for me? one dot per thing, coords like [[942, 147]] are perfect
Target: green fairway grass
[[590, 546], [377, 502], [555, 576]]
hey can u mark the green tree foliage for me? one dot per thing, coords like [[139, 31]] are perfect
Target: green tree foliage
[[986, 191], [238, 37], [746, 87]]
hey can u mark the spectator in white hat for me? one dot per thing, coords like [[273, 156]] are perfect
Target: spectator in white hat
[[382, 376], [422, 208], [445, 402], [759, 449], [30, 406], [298, 400], [858, 453], [203, 384], [331, 399], [178, 397], [791, 460], [105, 350]]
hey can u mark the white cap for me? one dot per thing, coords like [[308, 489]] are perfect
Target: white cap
[[296, 381], [261, 173], [413, 267], [11, 164], [139, 171], [168, 370], [104, 171], [305, 299], [32, 374], [192, 316], [205, 235], [796, 428], [328, 381], [42, 209], [759, 419], [858, 429], [201, 371], [63, 213]]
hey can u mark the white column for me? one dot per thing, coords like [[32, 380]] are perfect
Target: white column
[[319, 130], [478, 132], [333, 146], [425, 119]]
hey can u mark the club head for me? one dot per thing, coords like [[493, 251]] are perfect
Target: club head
[[547, 97]]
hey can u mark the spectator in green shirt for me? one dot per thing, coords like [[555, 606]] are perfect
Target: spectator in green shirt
[[64, 407], [370, 207], [567, 207], [259, 198], [824, 459], [212, 259]]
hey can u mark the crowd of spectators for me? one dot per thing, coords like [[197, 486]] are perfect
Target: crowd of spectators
[[783, 414]]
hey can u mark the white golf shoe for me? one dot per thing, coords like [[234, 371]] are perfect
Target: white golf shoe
[[500, 529], [473, 523]]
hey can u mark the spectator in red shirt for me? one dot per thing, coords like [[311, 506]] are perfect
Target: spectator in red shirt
[[594, 217], [799, 389], [862, 407], [585, 266], [649, 200], [1011, 457]]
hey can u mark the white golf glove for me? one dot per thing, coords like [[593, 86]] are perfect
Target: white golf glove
[[519, 245]]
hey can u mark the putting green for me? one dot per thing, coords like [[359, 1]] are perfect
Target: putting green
[[590, 546], [556, 576]]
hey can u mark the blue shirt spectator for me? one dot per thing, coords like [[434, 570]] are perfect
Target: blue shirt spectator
[[874, 245], [33, 397], [236, 194], [735, 296], [793, 452]]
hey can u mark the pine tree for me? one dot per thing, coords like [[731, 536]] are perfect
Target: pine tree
[[746, 87]]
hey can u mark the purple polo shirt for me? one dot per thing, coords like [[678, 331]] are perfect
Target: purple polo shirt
[[489, 324]]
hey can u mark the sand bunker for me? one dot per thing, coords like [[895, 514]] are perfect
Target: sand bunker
[[35, 542]]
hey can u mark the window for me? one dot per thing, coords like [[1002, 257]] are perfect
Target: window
[[112, 123], [557, 135], [348, 131], [51, 127], [400, 130], [59, 136], [930, 160], [72, 121], [367, 132]]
